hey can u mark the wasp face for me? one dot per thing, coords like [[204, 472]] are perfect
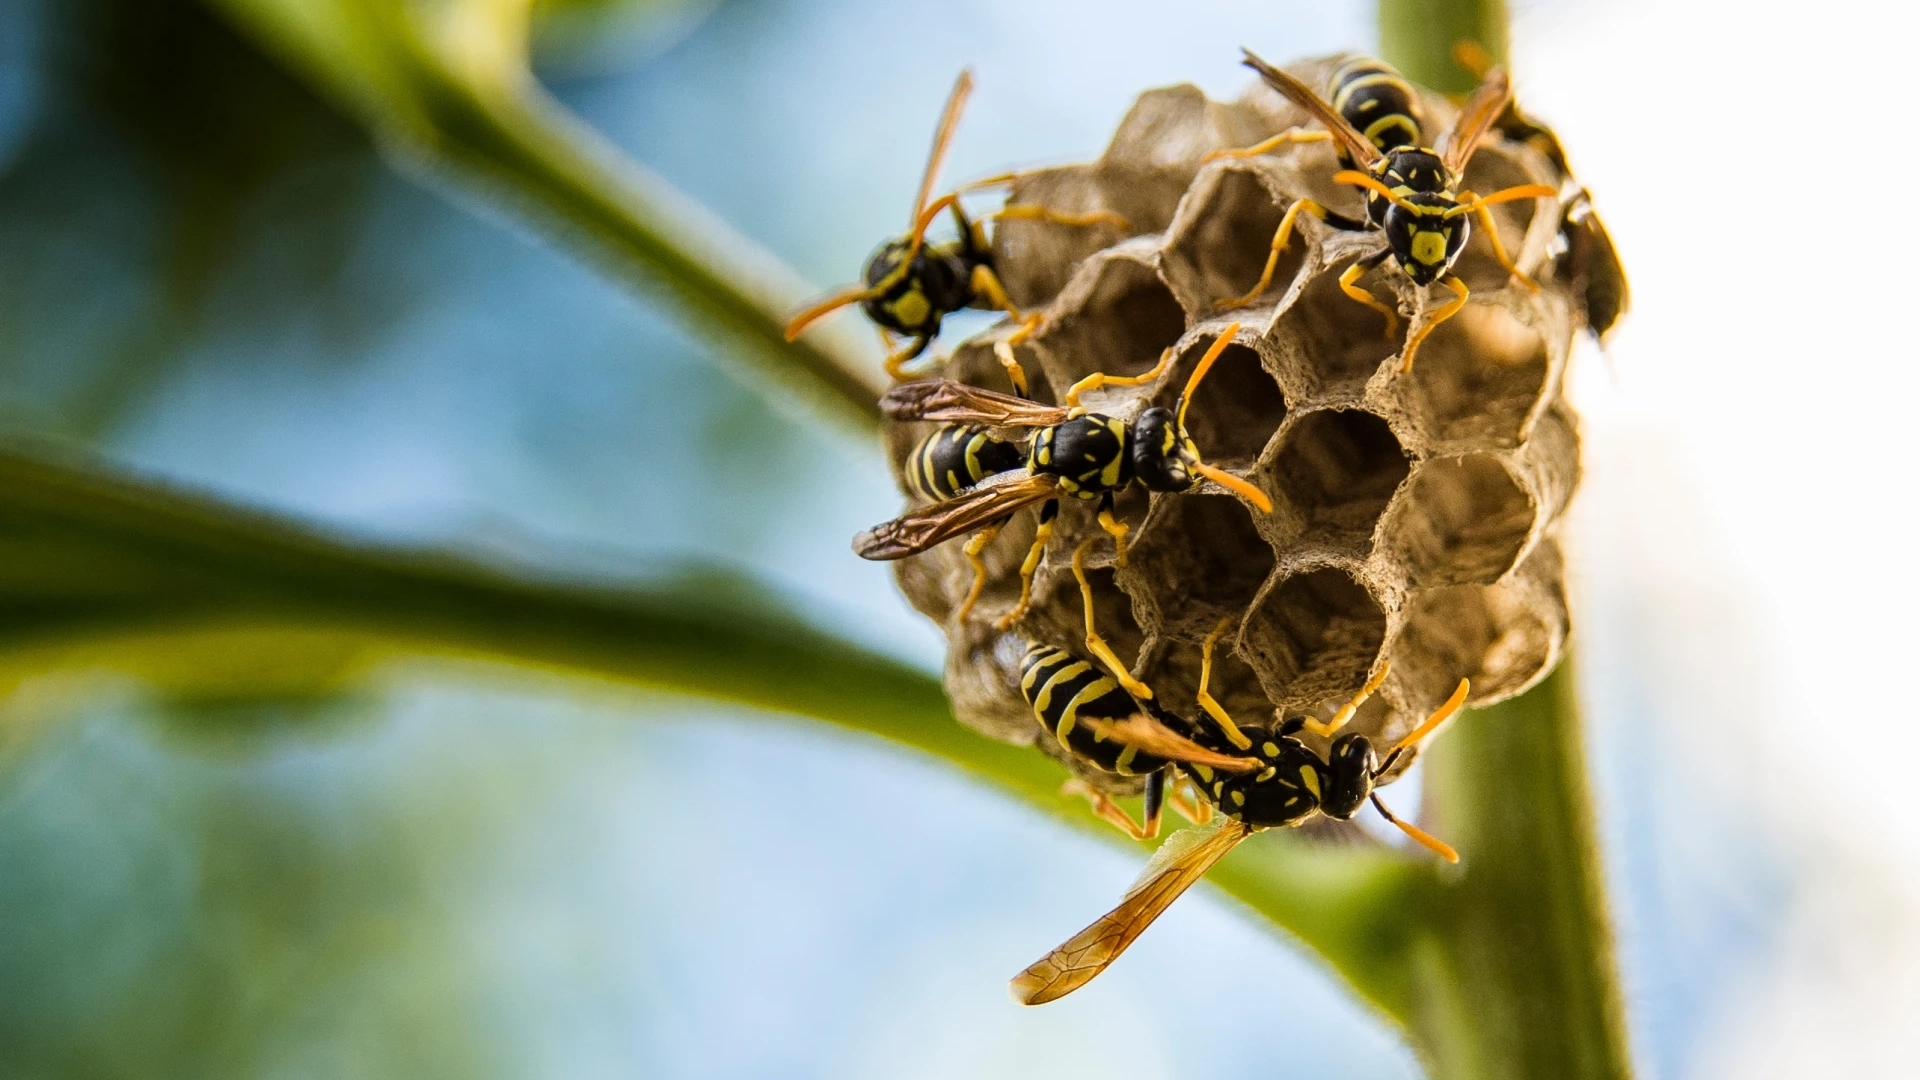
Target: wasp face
[[1163, 454], [1350, 769], [1424, 240], [914, 296]]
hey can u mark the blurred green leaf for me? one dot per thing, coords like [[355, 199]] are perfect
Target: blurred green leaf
[[445, 84]]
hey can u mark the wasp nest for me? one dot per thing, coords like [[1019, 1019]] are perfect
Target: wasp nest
[[1414, 514]]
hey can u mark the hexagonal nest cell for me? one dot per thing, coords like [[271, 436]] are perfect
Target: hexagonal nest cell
[[1414, 514]]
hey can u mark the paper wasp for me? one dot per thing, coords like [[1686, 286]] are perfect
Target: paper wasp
[[1590, 249], [1292, 785], [1412, 195], [909, 286], [1076, 453], [1109, 721]]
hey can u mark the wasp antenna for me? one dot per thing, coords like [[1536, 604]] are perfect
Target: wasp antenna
[[1420, 836], [1440, 715], [851, 295], [942, 137], [1205, 365], [1236, 485]]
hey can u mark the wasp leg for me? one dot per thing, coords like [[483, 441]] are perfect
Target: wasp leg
[[1036, 212], [1345, 712], [1096, 644], [1281, 237], [1348, 286], [1115, 528], [1100, 379], [898, 360], [1493, 237], [1110, 812], [1185, 799], [1003, 352], [1451, 309], [1048, 511], [1232, 730], [976, 544], [1291, 135]]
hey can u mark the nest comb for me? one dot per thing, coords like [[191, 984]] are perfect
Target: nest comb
[[1414, 514]]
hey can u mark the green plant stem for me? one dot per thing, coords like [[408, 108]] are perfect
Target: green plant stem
[[444, 86], [1418, 37]]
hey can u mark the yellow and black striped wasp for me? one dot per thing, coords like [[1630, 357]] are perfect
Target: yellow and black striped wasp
[[1412, 191], [1076, 453], [1291, 785], [1108, 720], [910, 286], [1590, 251]]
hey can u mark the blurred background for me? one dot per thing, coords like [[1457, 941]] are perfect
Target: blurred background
[[209, 275]]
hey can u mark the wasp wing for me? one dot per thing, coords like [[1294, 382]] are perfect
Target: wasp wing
[[1181, 861], [1358, 146], [1154, 737], [957, 403], [917, 530], [1489, 100]]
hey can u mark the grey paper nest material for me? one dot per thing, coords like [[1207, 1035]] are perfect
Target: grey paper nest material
[[1413, 514]]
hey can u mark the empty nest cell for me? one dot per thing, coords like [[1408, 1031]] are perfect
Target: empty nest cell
[[1336, 339], [1119, 325], [1479, 377], [1035, 258], [1464, 520], [1200, 559], [1339, 469], [1313, 635], [1220, 241], [1237, 408]]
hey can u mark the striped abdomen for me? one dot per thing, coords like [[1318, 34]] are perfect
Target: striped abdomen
[[1376, 101], [1065, 690], [954, 459]]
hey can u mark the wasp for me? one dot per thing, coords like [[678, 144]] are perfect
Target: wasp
[[1590, 250], [1413, 195], [1291, 785], [1108, 720], [909, 286], [1073, 452]]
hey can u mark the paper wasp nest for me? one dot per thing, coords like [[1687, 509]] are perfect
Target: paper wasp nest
[[1414, 514]]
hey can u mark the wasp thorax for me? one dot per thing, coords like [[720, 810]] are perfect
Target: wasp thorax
[[1414, 516]]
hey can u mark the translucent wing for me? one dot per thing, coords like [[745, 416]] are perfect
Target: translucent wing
[[942, 138], [957, 403], [1362, 150], [1476, 116], [1158, 739], [1180, 862], [917, 530]]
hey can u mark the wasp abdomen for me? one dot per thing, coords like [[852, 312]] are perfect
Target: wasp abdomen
[[1064, 690], [1376, 101], [953, 459]]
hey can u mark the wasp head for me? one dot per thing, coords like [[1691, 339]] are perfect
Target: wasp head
[[1350, 772], [911, 297], [1424, 240], [1163, 454]]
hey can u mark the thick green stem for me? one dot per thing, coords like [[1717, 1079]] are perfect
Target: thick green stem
[[1418, 37], [1518, 980]]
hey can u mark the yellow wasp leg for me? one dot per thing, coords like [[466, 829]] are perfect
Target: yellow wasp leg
[[1449, 311], [1035, 212], [1096, 644], [898, 358], [1101, 379], [1032, 563], [976, 544], [987, 284], [1281, 236], [1187, 801], [1352, 706], [1348, 286], [1227, 726], [1116, 529], [1291, 135], [1110, 812]]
